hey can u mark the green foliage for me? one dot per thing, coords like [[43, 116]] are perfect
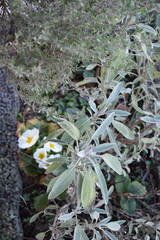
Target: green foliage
[[111, 45]]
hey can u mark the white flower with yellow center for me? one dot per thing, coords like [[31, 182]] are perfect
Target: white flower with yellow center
[[55, 147], [28, 138], [40, 155], [45, 164]]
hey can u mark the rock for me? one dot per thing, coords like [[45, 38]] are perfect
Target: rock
[[10, 180]]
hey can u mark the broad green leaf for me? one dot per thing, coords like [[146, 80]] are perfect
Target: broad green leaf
[[79, 233], [136, 188], [34, 217], [121, 183], [148, 29], [41, 201], [70, 128], [88, 73], [144, 48], [102, 182], [113, 163], [124, 130], [88, 192], [129, 205], [113, 226], [114, 95], [91, 66], [40, 236], [109, 235], [52, 135], [62, 183], [103, 147], [103, 126]]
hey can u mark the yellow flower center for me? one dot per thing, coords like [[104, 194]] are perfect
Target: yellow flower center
[[29, 139], [41, 156], [51, 145]]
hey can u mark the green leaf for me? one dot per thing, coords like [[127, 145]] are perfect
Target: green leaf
[[136, 188], [103, 126], [150, 119], [113, 226], [128, 205], [109, 235], [34, 217], [114, 95], [70, 128], [87, 74], [86, 81], [103, 147], [91, 66], [112, 140], [62, 183], [40, 236], [41, 201], [102, 182], [79, 234], [110, 75], [144, 48], [148, 29], [121, 183], [79, 182], [53, 166], [124, 130], [88, 192], [119, 113], [51, 183], [113, 163]]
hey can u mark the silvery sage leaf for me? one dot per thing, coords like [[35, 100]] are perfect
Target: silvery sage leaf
[[113, 163], [79, 234], [62, 183], [124, 130], [103, 147], [70, 128], [103, 126], [114, 95]]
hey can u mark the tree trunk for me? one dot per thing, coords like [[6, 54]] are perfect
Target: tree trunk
[[10, 180]]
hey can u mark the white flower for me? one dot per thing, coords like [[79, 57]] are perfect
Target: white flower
[[45, 164], [28, 138], [55, 147], [40, 155]]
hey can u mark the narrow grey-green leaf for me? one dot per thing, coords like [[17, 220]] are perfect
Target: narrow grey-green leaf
[[114, 95], [113, 163], [103, 147], [86, 81], [119, 113], [102, 182], [144, 48], [124, 130], [150, 119], [113, 226], [112, 140], [103, 126], [148, 29], [79, 233], [88, 192], [62, 183], [92, 105], [110, 235], [70, 128]]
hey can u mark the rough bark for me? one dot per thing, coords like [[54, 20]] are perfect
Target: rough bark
[[10, 180]]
